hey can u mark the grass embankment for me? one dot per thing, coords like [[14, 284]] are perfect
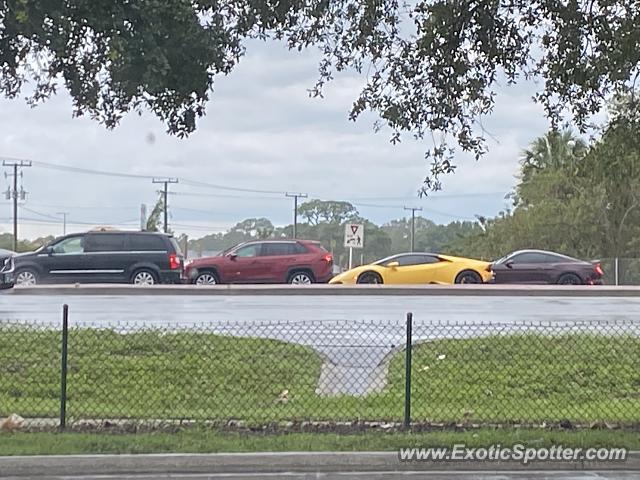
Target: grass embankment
[[162, 375], [208, 441]]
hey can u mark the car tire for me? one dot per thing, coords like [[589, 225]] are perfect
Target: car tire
[[300, 277], [468, 276], [26, 277], [370, 278], [206, 277], [144, 277], [569, 279]]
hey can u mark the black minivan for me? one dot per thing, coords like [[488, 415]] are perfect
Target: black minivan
[[141, 258]]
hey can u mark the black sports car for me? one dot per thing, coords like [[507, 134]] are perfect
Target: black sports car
[[539, 266]]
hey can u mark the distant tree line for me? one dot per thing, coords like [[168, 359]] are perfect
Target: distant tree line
[[325, 220]]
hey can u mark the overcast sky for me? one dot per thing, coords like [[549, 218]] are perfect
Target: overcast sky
[[262, 131]]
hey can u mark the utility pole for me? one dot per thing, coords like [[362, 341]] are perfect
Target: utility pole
[[64, 222], [295, 197], [15, 165], [413, 224], [165, 193]]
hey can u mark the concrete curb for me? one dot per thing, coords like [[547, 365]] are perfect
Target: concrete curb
[[333, 290], [35, 466]]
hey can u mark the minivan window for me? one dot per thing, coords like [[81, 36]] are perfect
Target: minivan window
[[176, 246], [146, 243], [69, 246], [105, 242]]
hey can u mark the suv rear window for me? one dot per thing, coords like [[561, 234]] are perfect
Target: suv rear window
[[104, 242], [147, 243]]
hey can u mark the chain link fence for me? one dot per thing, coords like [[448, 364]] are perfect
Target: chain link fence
[[621, 271], [306, 373]]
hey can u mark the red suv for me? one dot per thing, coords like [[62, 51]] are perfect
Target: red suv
[[298, 262]]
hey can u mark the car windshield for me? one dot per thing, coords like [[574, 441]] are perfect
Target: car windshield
[[502, 260], [228, 250]]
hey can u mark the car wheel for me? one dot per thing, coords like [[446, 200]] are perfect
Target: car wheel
[[206, 278], [300, 278], [370, 277], [144, 277], [26, 278], [569, 279], [468, 276]]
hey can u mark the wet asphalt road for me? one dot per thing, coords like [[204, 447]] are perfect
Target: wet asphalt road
[[249, 309], [354, 333]]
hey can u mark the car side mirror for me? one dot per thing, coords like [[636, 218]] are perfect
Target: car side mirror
[[509, 264], [232, 256], [48, 250], [393, 265]]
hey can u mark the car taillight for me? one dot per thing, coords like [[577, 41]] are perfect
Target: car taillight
[[599, 270], [328, 258], [174, 261]]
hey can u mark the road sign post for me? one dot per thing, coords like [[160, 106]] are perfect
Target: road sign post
[[353, 238]]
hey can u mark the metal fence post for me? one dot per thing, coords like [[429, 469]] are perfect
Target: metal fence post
[[63, 369], [407, 375], [616, 268]]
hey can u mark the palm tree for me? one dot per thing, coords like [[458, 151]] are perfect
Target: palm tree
[[555, 150]]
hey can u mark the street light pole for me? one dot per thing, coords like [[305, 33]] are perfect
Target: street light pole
[[64, 222]]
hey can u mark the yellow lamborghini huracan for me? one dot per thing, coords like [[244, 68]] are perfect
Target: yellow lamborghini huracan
[[416, 268]]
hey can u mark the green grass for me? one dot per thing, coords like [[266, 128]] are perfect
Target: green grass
[[154, 374], [209, 441], [526, 378], [187, 375]]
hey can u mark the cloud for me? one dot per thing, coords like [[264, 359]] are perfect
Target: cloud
[[262, 131]]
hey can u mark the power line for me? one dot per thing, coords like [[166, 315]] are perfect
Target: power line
[[434, 196], [223, 187], [38, 221], [78, 207], [56, 219], [22, 207], [426, 210], [202, 227], [219, 195], [88, 171], [186, 181]]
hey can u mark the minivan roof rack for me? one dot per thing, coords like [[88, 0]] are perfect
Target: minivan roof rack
[[104, 229]]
